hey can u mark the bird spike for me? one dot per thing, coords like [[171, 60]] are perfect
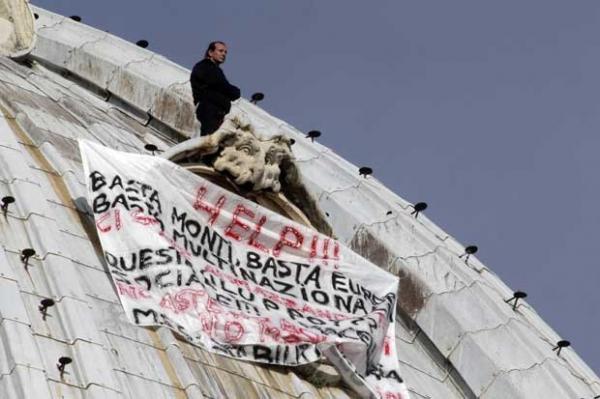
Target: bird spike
[[44, 305], [62, 362], [313, 134], [6, 201], [26, 254], [560, 345], [365, 171], [515, 298], [469, 250], [256, 97], [151, 147], [418, 208]]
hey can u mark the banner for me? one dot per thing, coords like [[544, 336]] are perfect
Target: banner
[[237, 279]]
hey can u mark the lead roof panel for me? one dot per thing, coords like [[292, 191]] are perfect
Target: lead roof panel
[[448, 347]]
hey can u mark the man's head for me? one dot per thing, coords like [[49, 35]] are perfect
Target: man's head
[[216, 52]]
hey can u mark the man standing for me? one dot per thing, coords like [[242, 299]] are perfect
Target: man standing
[[212, 92]]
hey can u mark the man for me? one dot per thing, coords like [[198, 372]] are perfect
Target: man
[[212, 92]]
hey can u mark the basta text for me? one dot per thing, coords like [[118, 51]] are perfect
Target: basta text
[[133, 195]]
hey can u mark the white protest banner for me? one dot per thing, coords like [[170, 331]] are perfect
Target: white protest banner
[[237, 279]]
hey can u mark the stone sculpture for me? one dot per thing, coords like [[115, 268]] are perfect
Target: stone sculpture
[[17, 32], [255, 163]]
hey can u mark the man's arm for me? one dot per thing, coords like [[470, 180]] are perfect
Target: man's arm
[[206, 86], [233, 92]]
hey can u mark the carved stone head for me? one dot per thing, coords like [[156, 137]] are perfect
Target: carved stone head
[[250, 159], [235, 149], [254, 162]]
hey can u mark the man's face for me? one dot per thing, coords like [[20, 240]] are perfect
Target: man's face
[[219, 54]]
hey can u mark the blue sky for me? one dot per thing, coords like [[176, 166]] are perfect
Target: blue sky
[[488, 111]]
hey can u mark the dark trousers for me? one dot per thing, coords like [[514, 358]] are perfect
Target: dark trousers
[[210, 118]]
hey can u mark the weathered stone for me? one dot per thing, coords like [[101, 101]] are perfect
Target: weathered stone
[[17, 34]]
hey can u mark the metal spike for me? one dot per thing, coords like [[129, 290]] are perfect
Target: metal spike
[[418, 208], [470, 250], [62, 362], [256, 97], [561, 344], [313, 134], [25, 255], [151, 147], [6, 201], [365, 171], [44, 305], [516, 296]]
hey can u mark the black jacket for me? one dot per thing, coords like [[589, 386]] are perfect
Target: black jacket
[[210, 88]]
